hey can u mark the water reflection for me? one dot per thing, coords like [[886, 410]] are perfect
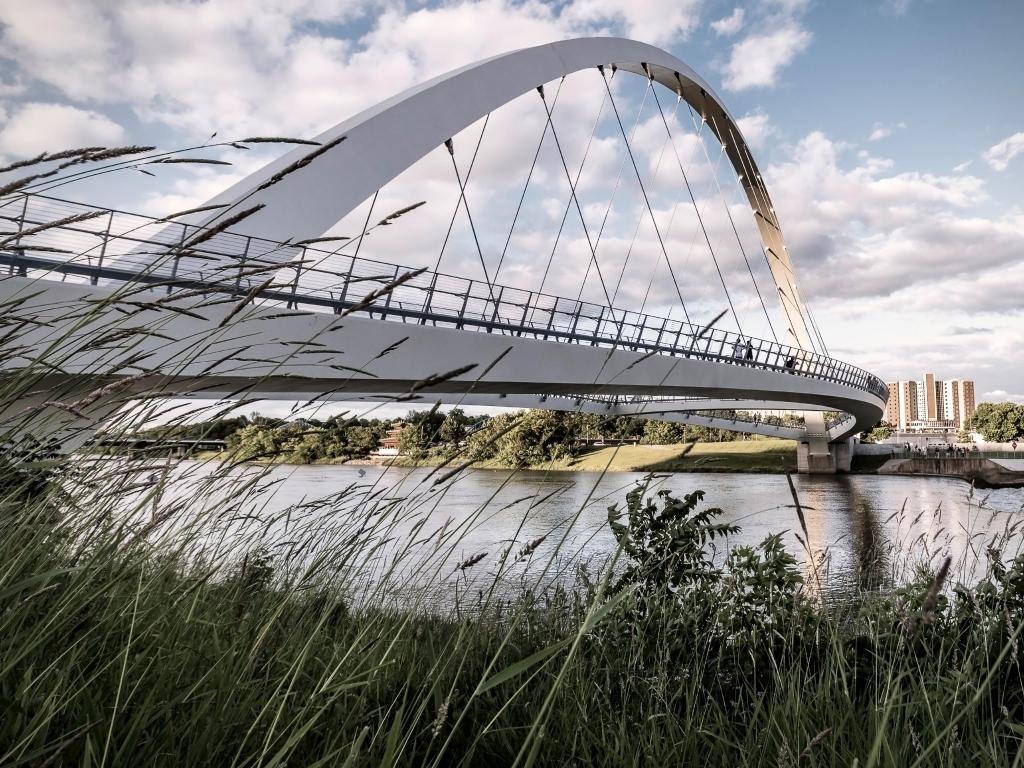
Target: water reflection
[[867, 529]]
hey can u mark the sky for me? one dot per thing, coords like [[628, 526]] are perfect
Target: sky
[[890, 134]]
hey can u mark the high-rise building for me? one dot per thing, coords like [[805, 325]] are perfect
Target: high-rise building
[[930, 405]]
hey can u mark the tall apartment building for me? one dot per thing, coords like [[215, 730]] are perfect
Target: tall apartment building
[[929, 405]]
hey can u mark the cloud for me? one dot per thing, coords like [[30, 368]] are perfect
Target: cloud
[[37, 127], [278, 66], [968, 331], [862, 230], [999, 155], [654, 21], [881, 131], [756, 128], [961, 167], [1001, 396], [729, 25], [756, 60], [897, 7]]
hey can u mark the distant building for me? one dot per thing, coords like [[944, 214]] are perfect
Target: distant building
[[388, 445], [929, 405]]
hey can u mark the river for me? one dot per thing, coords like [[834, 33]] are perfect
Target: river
[[867, 531]]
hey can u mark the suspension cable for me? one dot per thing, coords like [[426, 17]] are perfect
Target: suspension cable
[[568, 203], [579, 208], [672, 218], [458, 203], [465, 203], [696, 208], [529, 177], [761, 194], [615, 187], [732, 223], [639, 221]]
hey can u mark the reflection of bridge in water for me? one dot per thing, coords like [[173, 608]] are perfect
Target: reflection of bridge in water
[[255, 298]]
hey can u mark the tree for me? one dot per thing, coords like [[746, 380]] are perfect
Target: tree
[[421, 431], [540, 436], [662, 432], [453, 428], [880, 433], [998, 422]]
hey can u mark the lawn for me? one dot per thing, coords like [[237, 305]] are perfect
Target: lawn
[[735, 456]]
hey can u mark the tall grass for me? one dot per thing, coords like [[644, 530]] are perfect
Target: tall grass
[[158, 612]]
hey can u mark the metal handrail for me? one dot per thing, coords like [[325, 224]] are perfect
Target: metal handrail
[[125, 247]]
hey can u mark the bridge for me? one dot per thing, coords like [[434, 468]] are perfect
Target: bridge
[[257, 294]]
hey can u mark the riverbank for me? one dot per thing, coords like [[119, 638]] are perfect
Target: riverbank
[[121, 649], [753, 456], [984, 473]]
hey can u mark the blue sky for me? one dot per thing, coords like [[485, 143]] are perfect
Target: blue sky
[[890, 132]]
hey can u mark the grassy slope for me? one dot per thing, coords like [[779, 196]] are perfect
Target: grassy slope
[[738, 456], [767, 455]]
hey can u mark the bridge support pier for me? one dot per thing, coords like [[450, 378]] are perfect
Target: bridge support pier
[[821, 458]]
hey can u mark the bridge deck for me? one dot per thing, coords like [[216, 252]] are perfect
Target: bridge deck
[[118, 247]]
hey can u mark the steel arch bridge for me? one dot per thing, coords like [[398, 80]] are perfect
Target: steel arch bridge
[[252, 294]]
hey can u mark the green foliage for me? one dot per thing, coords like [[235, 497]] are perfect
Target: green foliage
[[998, 422], [115, 652], [879, 434], [539, 436], [662, 433]]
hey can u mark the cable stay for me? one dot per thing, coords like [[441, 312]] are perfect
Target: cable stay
[[572, 190], [732, 224], [450, 144], [579, 208], [529, 177]]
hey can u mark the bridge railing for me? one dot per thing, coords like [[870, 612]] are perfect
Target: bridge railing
[[48, 234]]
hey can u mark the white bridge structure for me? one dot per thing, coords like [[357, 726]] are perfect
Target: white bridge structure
[[257, 294]]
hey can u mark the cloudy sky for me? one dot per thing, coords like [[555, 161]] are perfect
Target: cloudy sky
[[890, 134]]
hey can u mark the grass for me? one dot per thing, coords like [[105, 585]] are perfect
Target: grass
[[124, 649], [159, 613], [759, 455], [737, 456]]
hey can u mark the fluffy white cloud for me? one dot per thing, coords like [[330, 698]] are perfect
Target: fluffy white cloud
[[756, 128], [653, 21], [757, 59], [729, 25], [37, 127], [276, 66], [1000, 155], [881, 131], [1002, 396]]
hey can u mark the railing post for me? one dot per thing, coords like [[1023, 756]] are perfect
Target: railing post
[[575, 320], [494, 314], [241, 264], [344, 288], [430, 299], [526, 309], [640, 333], [103, 250], [551, 317], [177, 254], [298, 271], [387, 301], [597, 327], [657, 342], [465, 303]]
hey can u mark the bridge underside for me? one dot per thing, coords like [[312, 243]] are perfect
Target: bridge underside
[[229, 349]]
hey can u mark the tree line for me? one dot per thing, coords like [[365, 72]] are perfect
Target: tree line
[[515, 439], [998, 422]]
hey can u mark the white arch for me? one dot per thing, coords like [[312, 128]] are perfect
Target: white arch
[[386, 139]]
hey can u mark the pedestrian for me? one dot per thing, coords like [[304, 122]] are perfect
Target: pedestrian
[[737, 349], [749, 355], [790, 363]]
